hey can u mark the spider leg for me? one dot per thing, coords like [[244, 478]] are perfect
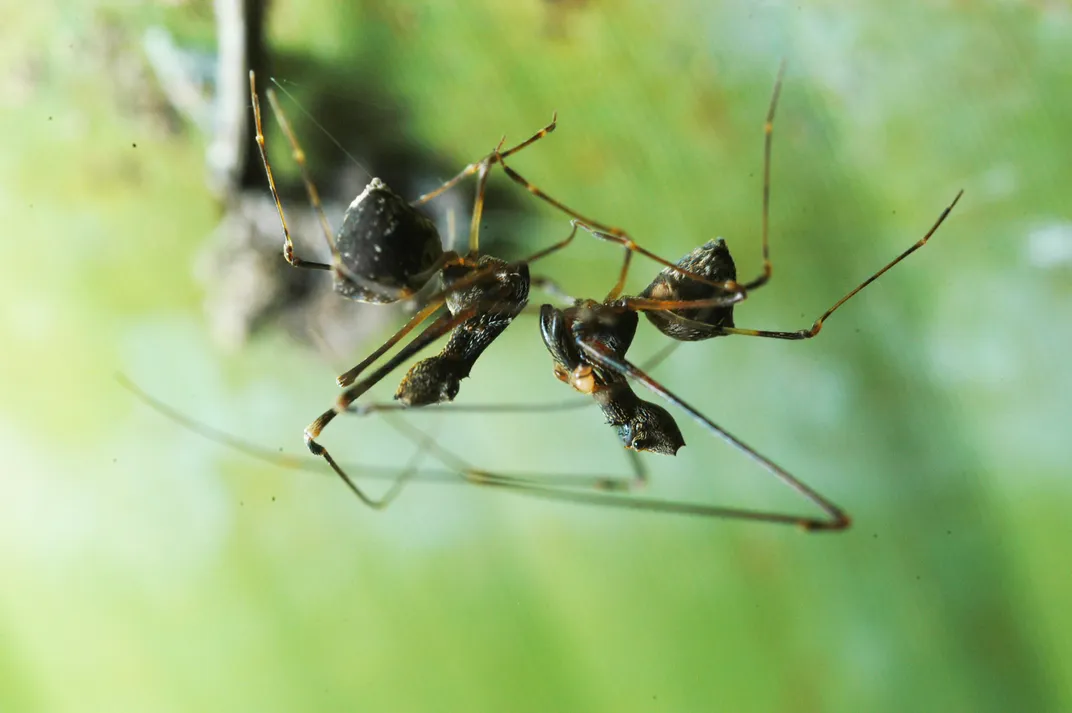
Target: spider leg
[[482, 167], [768, 135], [818, 323], [314, 196], [397, 477], [836, 518], [616, 235], [474, 167], [427, 311]]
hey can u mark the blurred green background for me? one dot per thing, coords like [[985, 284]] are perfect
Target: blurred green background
[[147, 568]]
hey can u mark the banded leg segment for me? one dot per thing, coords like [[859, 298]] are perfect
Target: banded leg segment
[[314, 196], [482, 167], [768, 136], [427, 311], [817, 325]]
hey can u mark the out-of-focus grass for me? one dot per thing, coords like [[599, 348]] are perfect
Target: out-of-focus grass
[[145, 569]]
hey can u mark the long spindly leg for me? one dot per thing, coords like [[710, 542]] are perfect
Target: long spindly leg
[[336, 265], [561, 488], [478, 206], [616, 492], [453, 470], [424, 442], [768, 135], [558, 488], [836, 518], [732, 290], [617, 235], [490, 158], [427, 311], [397, 477], [477, 275], [644, 304], [441, 326], [607, 232], [482, 167], [818, 323], [564, 484], [288, 244], [578, 402]]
